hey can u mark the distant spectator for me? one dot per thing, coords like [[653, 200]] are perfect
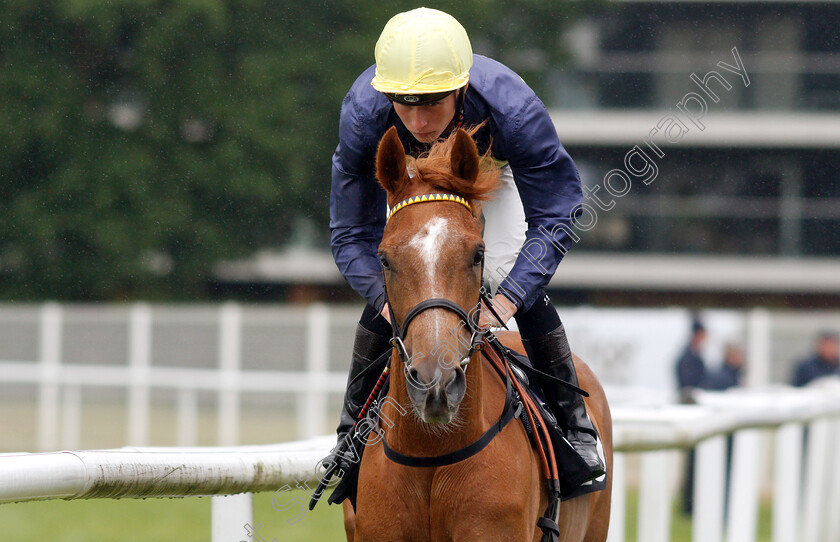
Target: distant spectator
[[691, 369], [691, 373], [730, 373], [824, 362]]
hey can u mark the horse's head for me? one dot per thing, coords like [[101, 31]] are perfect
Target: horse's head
[[434, 250]]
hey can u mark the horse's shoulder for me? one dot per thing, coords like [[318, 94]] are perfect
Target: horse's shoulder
[[512, 340]]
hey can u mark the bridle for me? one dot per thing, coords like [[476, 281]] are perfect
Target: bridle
[[517, 400], [398, 332], [512, 407]]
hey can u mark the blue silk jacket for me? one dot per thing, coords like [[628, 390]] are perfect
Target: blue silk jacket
[[519, 131]]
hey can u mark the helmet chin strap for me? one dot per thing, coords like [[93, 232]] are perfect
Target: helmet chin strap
[[458, 118], [459, 107]]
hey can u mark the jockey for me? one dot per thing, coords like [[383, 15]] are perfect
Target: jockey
[[426, 81]]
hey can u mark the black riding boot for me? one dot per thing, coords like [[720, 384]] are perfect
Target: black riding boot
[[550, 353], [367, 348]]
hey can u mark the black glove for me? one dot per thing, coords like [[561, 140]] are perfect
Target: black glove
[[342, 459]]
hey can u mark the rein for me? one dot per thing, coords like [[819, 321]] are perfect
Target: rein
[[540, 439]]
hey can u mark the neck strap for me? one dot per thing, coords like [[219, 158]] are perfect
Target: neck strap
[[512, 409]]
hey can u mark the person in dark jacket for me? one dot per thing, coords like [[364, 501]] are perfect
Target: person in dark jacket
[[730, 372], [728, 375], [691, 374], [824, 362], [427, 81], [691, 369]]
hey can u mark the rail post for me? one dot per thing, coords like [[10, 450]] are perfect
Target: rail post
[[139, 361], [49, 346], [314, 400], [231, 517], [230, 363]]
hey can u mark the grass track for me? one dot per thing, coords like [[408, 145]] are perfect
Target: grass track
[[188, 520], [159, 520]]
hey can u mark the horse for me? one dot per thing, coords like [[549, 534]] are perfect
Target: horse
[[443, 396]]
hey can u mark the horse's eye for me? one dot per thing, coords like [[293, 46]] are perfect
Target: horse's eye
[[384, 261], [478, 258]]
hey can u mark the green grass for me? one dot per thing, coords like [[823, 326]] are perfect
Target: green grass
[[188, 520], [681, 524], [160, 520]]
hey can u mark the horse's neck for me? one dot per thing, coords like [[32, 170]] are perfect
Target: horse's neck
[[479, 409]]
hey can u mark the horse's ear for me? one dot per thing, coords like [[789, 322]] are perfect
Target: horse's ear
[[464, 158], [390, 162]]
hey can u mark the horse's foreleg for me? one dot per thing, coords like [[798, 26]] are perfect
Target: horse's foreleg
[[481, 527], [574, 520], [599, 521], [349, 520]]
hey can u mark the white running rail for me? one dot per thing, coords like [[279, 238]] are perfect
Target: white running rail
[[804, 509]]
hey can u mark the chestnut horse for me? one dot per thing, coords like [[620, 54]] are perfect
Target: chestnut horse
[[435, 251]]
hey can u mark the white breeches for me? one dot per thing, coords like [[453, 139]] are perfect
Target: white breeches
[[504, 230]]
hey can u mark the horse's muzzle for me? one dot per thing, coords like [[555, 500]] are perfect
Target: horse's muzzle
[[436, 394]]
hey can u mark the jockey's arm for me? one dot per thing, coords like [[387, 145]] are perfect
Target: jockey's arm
[[503, 306], [356, 231], [357, 208], [357, 202], [550, 191]]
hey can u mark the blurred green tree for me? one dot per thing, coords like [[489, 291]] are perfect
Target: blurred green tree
[[145, 140]]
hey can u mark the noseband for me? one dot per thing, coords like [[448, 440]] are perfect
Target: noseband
[[476, 340]]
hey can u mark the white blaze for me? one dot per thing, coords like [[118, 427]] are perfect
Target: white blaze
[[428, 242]]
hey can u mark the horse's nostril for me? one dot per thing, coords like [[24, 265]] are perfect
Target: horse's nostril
[[414, 377], [456, 386]]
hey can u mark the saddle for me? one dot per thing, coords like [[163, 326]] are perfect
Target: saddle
[[572, 470]]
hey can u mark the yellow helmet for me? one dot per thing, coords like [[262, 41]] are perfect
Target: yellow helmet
[[422, 51]]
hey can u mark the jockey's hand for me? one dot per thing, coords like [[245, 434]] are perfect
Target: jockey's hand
[[503, 306], [385, 313]]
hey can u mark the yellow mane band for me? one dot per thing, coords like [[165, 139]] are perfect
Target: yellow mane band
[[425, 198]]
